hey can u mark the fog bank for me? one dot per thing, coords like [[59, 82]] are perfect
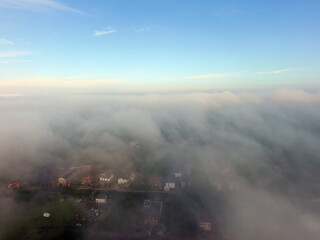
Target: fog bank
[[267, 142]]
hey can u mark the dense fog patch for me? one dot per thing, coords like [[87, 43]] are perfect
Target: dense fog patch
[[268, 142]]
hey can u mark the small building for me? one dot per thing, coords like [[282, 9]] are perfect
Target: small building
[[133, 176], [87, 179], [106, 177], [205, 226], [123, 180], [14, 185], [168, 186], [46, 214], [67, 177], [101, 198], [170, 183], [154, 181], [177, 174]]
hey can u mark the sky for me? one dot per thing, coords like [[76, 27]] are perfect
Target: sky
[[157, 45]]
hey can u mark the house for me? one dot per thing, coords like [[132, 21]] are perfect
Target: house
[[106, 177], [170, 182], [62, 181], [154, 181], [67, 177], [132, 176], [205, 226], [87, 179], [205, 223], [223, 180], [123, 180], [169, 185], [14, 185], [177, 174], [101, 198]]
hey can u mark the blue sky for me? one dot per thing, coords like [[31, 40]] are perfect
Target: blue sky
[[159, 45]]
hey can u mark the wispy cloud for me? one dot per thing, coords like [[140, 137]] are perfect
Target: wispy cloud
[[214, 75], [140, 30], [37, 5], [279, 71], [5, 42], [13, 54], [105, 31]]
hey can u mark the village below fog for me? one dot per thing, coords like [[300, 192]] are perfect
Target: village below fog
[[143, 201]]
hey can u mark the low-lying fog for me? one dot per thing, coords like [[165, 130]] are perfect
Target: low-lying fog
[[268, 141]]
